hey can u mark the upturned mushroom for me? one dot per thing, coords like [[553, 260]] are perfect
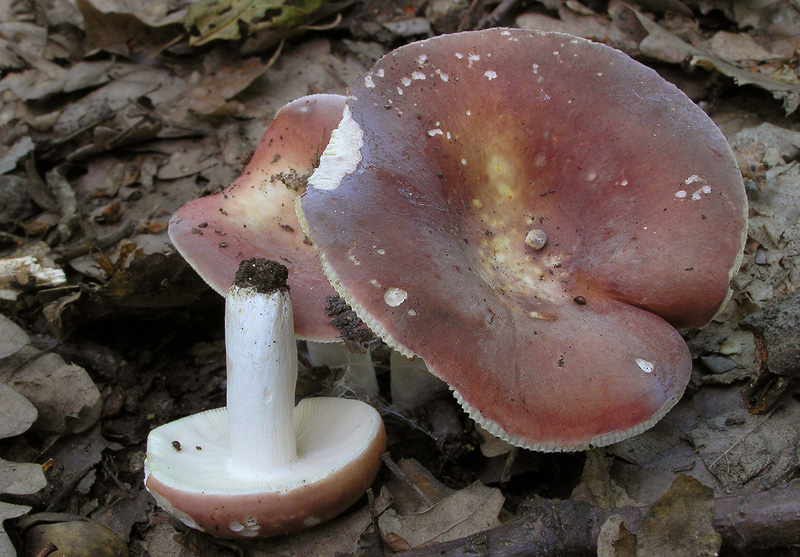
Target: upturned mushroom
[[263, 466], [534, 215]]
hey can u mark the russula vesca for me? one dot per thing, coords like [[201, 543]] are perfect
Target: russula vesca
[[254, 216], [533, 214], [263, 466]]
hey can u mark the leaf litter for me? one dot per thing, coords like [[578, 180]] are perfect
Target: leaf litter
[[115, 113]]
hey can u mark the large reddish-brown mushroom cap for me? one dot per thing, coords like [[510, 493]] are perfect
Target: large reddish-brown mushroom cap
[[458, 155], [254, 216]]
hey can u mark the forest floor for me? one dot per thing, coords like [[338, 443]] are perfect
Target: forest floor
[[113, 114]]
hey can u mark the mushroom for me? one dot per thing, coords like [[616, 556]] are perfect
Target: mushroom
[[255, 217], [533, 214], [263, 466]]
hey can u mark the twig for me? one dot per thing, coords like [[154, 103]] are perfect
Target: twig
[[511, 458], [47, 549], [403, 477], [67, 203], [497, 14], [68, 253], [375, 526], [747, 523]]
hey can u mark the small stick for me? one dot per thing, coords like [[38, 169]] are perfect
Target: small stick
[[403, 477], [47, 549]]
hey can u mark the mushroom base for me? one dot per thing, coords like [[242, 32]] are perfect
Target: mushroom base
[[190, 473]]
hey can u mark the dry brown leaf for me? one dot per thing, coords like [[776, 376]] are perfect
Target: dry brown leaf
[[7, 510], [21, 478], [12, 339], [17, 414], [680, 523], [467, 511], [738, 47], [129, 27], [64, 395]]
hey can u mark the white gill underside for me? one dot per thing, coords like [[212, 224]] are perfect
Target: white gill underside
[[194, 453]]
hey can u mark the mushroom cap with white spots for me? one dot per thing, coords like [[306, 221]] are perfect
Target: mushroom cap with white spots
[[339, 447], [254, 216], [560, 348]]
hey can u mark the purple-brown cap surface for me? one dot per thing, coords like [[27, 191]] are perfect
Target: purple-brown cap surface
[[533, 214], [255, 217]]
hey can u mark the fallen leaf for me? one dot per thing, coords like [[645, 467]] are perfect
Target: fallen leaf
[[64, 395], [21, 478], [129, 27], [7, 510], [9, 157], [12, 339], [680, 523], [467, 511], [230, 19], [738, 47]]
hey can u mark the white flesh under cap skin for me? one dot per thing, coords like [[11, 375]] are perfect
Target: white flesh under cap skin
[[261, 466]]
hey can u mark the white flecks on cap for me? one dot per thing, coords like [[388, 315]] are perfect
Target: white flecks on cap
[[417, 75], [411, 312], [490, 74], [704, 190], [692, 179], [380, 72], [395, 296], [421, 59], [406, 81], [459, 55], [435, 131], [341, 156], [644, 365], [368, 81], [680, 194]]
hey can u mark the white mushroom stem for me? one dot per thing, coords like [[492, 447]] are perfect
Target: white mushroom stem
[[360, 373], [412, 384], [262, 373]]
